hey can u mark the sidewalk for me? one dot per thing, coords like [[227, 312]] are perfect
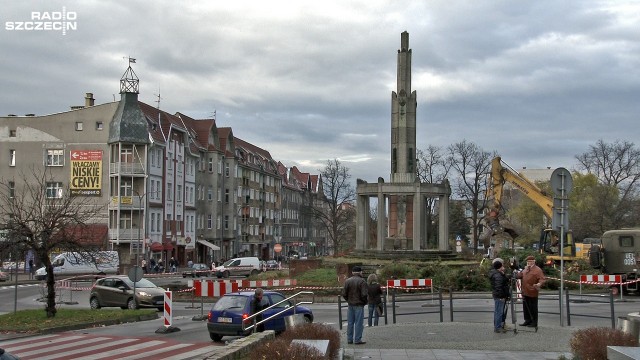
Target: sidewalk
[[458, 340]]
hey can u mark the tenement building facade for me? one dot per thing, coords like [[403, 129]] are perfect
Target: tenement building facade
[[171, 185]]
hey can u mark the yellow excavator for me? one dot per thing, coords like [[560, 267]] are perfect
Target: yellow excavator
[[549, 239]]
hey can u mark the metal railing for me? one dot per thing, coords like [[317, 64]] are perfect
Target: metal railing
[[254, 324]]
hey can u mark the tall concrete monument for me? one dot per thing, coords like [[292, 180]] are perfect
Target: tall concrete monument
[[401, 205]]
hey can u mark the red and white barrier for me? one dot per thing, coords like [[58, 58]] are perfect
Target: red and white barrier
[[212, 288], [599, 279], [265, 283], [402, 283], [168, 317]]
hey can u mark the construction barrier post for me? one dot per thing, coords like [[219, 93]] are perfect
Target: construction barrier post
[[168, 315]]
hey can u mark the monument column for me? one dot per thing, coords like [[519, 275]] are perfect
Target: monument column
[[417, 217], [443, 235], [362, 219], [382, 219]]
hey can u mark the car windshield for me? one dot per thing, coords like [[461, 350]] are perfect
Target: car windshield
[[227, 263], [143, 283], [231, 302]]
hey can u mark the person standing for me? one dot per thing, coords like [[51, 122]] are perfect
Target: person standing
[[532, 280], [144, 266], [355, 293], [374, 299], [500, 293], [257, 304]]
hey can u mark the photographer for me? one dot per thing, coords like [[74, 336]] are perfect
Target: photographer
[[532, 280], [500, 292]]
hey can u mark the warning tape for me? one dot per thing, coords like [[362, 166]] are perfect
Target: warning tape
[[605, 283]]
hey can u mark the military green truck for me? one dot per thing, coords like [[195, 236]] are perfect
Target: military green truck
[[618, 254]]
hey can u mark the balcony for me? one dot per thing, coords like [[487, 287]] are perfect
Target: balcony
[[126, 168], [125, 235], [127, 202]]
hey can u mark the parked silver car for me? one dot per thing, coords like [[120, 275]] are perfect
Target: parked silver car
[[118, 291]]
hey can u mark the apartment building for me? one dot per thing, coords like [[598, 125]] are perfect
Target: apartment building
[[171, 185]]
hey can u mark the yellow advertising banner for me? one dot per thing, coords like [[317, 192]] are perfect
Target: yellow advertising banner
[[86, 172]]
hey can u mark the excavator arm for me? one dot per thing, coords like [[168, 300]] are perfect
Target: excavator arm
[[502, 174]]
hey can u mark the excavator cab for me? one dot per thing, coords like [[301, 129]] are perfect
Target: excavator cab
[[550, 245]]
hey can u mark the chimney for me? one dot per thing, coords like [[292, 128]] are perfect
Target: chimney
[[89, 100]]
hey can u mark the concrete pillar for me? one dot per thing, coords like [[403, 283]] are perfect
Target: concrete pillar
[[417, 217], [382, 217], [443, 225], [362, 219]]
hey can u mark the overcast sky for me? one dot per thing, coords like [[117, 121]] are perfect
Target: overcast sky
[[535, 81]]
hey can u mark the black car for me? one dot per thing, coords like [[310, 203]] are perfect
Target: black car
[[197, 270]]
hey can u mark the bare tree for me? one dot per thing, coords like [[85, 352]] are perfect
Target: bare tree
[[338, 213], [432, 168], [616, 164], [471, 166], [38, 214]]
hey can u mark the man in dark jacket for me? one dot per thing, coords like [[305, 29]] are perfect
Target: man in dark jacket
[[355, 292], [500, 292], [257, 304]]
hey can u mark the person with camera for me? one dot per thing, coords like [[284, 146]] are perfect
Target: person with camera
[[532, 280], [500, 292]]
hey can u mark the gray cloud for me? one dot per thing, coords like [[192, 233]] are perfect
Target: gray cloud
[[536, 81]]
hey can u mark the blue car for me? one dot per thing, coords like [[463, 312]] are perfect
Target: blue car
[[226, 316]]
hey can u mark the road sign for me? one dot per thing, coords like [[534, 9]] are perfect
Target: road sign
[[135, 274], [277, 248]]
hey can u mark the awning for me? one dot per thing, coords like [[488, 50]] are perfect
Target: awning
[[156, 246], [209, 245]]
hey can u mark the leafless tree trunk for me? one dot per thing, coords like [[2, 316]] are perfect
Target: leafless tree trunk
[[432, 168], [471, 165], [338, 213], [39, 217]]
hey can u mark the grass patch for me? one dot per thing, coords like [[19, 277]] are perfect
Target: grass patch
[[327, 277], [35, 320]]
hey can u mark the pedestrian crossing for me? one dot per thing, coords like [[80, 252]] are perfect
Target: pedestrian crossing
[[69, 345], [11, 287]]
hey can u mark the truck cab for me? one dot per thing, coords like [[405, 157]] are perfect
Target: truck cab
[[618, 254]]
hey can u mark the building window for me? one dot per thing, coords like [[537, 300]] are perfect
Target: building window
[[78, 125], [99, 126], [12, 157], [55, 157], [125, 221], [209, 221], [12, 133], [54, 190], [210, 164], [169, 191], [126, 188], [179, 193], [126, 155], [12, 189], [153, 222], [210, 193], [226, 222], [226, 196]]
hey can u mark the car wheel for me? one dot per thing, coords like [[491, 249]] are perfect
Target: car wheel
[[215, 337], [131, 304], [94, 303], [308, 319], [254, 272], [225, 274], [161, 309]]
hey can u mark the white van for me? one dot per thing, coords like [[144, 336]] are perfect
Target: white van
[[69, 263], [239, 266]]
